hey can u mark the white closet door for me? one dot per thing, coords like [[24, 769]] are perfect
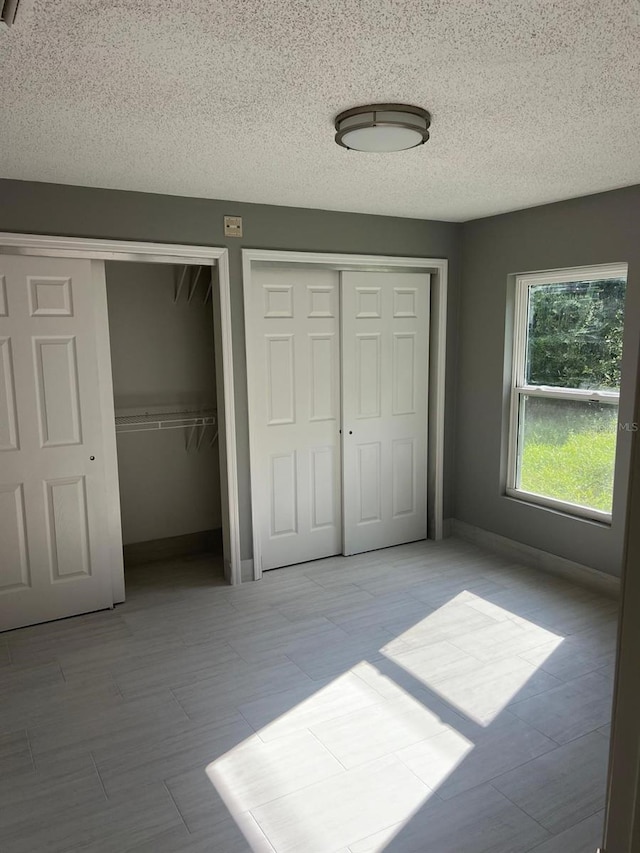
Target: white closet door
[[53, 541], [385, 349], [293, 364]]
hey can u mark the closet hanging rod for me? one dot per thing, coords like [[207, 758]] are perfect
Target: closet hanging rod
[[166, 420]]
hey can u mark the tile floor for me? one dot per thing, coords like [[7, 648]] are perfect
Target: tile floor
[[430, 697]]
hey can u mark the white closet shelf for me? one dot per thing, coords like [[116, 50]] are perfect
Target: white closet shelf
[[167, 420]]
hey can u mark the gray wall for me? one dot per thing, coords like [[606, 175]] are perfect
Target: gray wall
[[595, 229], [37, 208], [162, 359]]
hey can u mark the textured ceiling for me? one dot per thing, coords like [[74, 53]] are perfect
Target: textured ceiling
[[532, 100]]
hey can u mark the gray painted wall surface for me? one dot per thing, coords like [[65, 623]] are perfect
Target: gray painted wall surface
[[162, 356], [596, 229], [37, 208]]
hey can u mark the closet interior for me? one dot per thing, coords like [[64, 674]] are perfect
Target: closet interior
[[164, 384]]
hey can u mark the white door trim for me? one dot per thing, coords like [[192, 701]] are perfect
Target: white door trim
[[438, 267], [126, 250]]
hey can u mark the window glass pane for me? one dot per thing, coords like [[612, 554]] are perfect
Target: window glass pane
[[575, 334], [567, 449]]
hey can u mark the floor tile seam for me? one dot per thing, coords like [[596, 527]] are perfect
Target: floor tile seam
[[389, 826], [594, 731], [597, 609], [109, 680], [325, 747], [306, 787], [566, 633], [244, 659], [180, 705], [485, 661], [391, 753], [565, 680], [314, 582], [566, 829], [345, 631], [433, 792], [250, 724], [514, 703], [414, 644], [176, 806], [497, 776], [374, 601], [242, 701], [568, 682], [529, 723], [595, 672], [402, 590], [306, 674], [161, 685], [277, 799], [490, 660], [99, 775], [272, 847], [31, 756], [524, 811], [250, 811], [317, 610], [273, 650], [332, 719], [440, 681]]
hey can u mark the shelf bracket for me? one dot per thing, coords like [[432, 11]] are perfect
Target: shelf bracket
[[190, 435], [202, 429], [180, 285], [194, 285], [207, 295]]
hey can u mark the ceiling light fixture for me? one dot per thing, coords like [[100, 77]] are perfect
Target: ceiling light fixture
[[382, 127]]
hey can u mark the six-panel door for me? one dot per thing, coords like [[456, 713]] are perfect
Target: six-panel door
[[315, 492], [385, 350], [53, 545], [295, 410]]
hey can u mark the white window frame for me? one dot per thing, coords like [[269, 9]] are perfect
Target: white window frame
[[520, 388]]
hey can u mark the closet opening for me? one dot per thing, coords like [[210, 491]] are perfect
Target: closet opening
[[163, 360]]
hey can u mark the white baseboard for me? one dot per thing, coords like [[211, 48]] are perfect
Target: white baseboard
[[544, 561], [246, 570]]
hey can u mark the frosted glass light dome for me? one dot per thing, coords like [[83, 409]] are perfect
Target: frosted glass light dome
[[382, 127]]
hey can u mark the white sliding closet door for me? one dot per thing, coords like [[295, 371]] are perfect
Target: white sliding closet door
[[53, 540], [385, 350], [294, 395]]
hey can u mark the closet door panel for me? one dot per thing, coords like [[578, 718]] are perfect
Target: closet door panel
[[13, 540], [284, 497], [57, 391], [385, 345], [323, 487], [294, 393], [8, 420], [53, 542]]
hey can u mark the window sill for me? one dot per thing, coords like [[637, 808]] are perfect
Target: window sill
[[564, 507]]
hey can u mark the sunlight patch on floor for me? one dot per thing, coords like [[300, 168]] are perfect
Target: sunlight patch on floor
[[361, 755], [478, 672]]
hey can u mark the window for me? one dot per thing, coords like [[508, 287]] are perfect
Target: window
[[566, 386]]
